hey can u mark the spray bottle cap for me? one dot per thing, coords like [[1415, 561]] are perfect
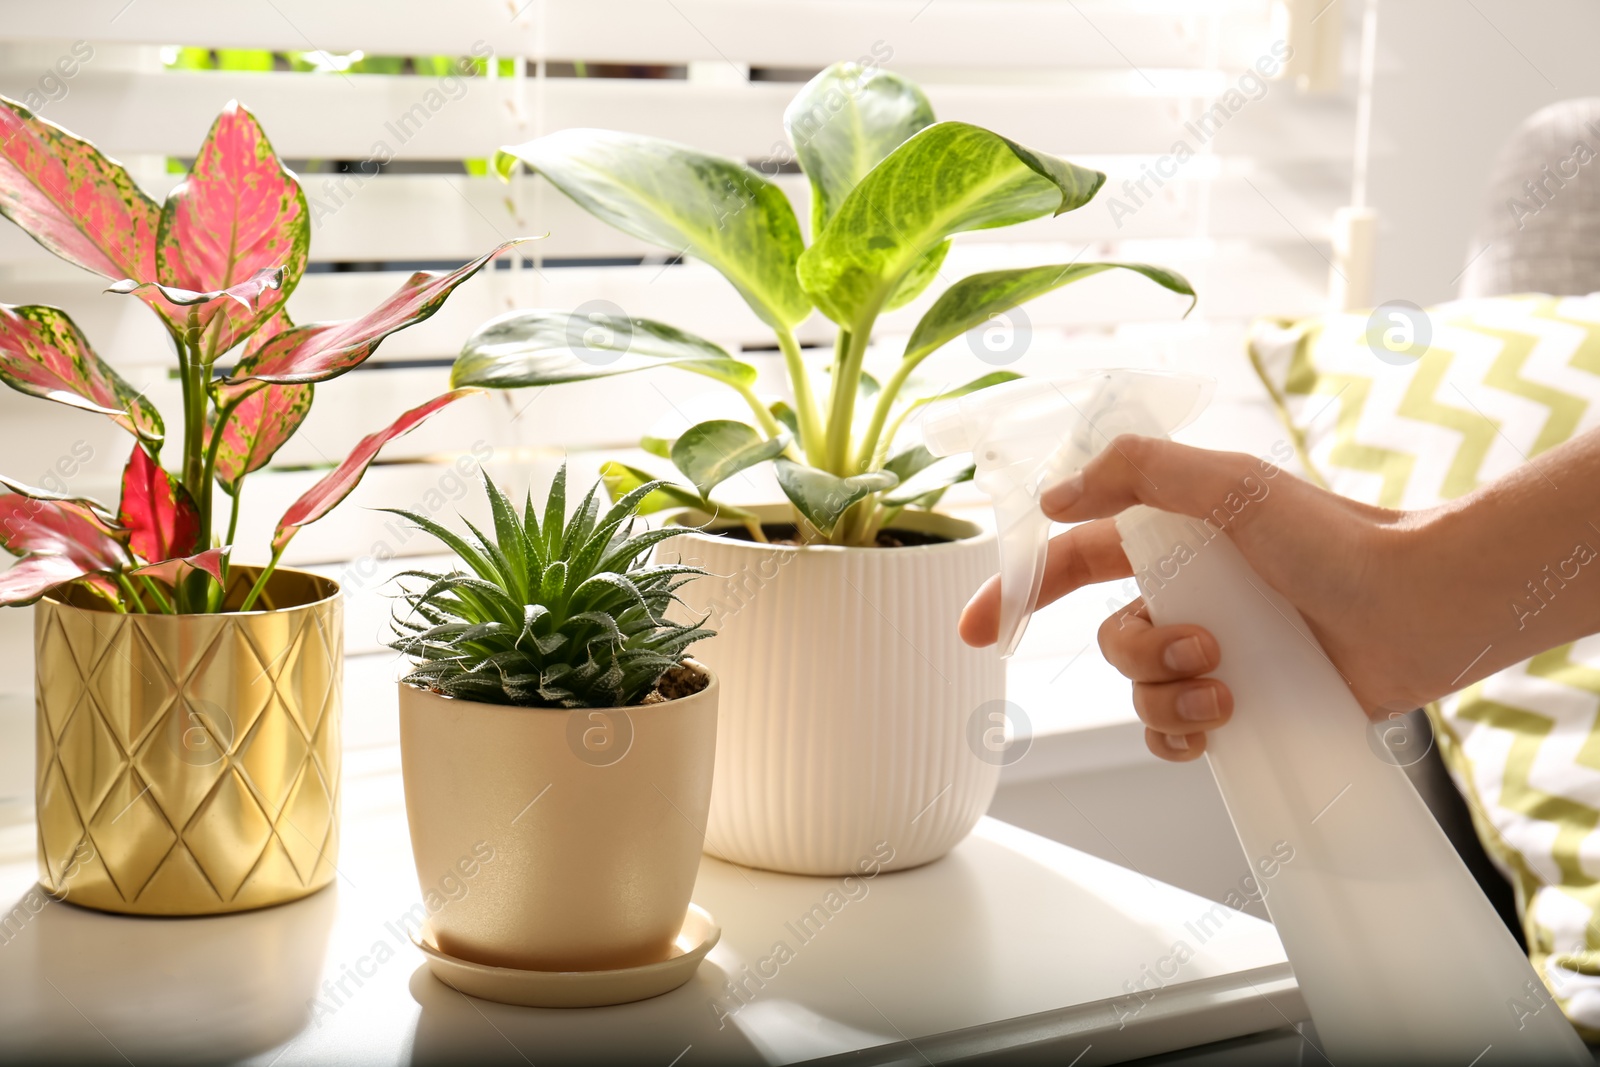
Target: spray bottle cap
[[1027, 435]]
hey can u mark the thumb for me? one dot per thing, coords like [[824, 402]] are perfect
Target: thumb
[[1161, 473]]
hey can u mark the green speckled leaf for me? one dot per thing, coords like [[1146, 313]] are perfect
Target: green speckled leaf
[[709, 453], [949, 178], [714, 209], [843, 123], [822, 497], [974, 300], [530, 348]]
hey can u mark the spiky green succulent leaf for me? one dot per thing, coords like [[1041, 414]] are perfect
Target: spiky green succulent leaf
[[553, 613]]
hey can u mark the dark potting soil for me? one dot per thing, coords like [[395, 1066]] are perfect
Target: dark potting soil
[[679, 682], [786, 533]]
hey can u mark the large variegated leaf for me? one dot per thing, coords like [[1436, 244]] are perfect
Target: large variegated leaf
[[35, 576], [174, 571], [949, 178], [239, 212], [35, 493], [929, 479], [823, 498], [323, 350], [528, 348], [158, 512], [43, 353], [327, 493], [73, 200], [206, 320], [709, 453], [976, 299], [50, 525], [843, 122], [261, 417], [692, 203]]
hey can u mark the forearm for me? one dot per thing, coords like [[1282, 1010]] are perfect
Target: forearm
[[1514, 567]]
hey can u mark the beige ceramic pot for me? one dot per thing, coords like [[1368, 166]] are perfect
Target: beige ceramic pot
[[855, 722], [553, 840], [189, 764]]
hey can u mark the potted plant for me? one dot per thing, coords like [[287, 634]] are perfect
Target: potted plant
[[553, 721], [188, 706], [850, 701]]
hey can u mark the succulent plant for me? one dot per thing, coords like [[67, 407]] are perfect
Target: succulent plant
[[553, 614]]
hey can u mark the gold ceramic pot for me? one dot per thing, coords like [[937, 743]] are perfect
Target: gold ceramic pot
[[189, 764], [554, 840]]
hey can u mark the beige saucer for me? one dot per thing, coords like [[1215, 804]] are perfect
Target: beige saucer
[[578, 989]]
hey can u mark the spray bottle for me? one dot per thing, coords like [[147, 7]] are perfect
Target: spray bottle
[[1400, 957]]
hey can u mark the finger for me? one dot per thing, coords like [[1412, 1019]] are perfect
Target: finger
[[1173, 747], [1144, 652], [1163, 474], [1183, 708], [1082, 556]]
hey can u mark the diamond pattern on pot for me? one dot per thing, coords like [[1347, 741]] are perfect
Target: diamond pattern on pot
[[53, 655], [130, 834], [308, 673], [306, 827], [60, 829], [90, 757], [248, 687], [227, 835], [132, 687], [272, 756]]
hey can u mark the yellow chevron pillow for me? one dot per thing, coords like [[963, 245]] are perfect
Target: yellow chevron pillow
[[1407, 408]]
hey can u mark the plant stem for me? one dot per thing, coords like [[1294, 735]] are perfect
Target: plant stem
[[131, 593], [764, 419], [194, 415], [805, 402], [233, 519], [872, 449], [841, 413], [261, 582], [155, 594]]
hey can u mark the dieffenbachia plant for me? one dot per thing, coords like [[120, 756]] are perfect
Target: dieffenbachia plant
[[216, 263], [890, 187]]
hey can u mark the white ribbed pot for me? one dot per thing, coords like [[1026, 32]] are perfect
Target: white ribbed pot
[[850, 705]]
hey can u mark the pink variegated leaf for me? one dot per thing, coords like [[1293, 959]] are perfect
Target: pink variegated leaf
[[49, 525], [44, 354], [173, 571], [35, 576], [326, 494], [263, 417], [73, 200], [324, 350], [105, 514], [207, 321], [158, 513], [238, 212]]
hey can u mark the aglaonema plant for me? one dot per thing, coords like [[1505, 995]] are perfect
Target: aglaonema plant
[[216, 263], [890, 186]]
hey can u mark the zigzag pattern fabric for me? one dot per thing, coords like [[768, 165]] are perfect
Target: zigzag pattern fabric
[[1500, 381]]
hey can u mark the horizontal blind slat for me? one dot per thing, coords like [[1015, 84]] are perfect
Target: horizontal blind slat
[[376, 117], [1164, 33]]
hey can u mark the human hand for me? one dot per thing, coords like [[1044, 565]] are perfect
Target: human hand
[[1351, 570]]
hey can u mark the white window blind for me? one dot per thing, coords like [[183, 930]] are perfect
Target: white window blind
[[1215, 170]]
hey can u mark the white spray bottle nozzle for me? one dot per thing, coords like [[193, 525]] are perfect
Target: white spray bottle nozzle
[[1026, 436]]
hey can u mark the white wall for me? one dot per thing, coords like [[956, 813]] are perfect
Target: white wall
[[1454, 79]]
